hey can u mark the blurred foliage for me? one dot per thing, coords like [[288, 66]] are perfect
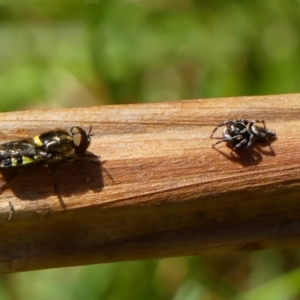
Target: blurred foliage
[[79, 53], [67, 53]]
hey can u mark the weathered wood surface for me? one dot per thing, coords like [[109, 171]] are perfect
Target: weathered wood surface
[[158, 190]]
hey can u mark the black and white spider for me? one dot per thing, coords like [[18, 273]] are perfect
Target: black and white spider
[[242, 133]]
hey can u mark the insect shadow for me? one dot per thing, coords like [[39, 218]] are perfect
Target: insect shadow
[[65, 179], [250, 157]]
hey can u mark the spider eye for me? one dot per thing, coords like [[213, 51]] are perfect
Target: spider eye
[[240, 126]]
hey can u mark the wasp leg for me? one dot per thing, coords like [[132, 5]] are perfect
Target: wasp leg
[[10, 204], [11, 210], [110, 177], [46, 166], [4, 183]]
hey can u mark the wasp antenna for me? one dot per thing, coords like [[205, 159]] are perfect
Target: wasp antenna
[[90, 130]]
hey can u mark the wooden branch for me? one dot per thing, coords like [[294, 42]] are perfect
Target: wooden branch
[[159, 188]]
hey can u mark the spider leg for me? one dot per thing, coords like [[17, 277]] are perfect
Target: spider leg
[[220, 125], [247, 121], [240, 144], [252, 139], [261, 121], [228, 139], [265, 134]]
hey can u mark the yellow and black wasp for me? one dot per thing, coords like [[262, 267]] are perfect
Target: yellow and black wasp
[[49, 147]]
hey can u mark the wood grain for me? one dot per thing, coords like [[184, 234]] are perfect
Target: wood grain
[[157, 189]]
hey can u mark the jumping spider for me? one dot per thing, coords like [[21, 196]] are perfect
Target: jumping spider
[[242, 133]]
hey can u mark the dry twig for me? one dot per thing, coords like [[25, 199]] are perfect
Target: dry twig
[[159, 189]]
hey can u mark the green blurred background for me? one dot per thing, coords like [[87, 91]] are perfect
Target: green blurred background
[[78, 53]]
